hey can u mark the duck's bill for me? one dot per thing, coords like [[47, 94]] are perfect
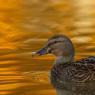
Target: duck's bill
[[40, 52]]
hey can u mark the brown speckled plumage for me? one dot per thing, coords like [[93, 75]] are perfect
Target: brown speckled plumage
[[77, 77]]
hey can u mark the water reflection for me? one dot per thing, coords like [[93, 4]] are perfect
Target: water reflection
[[25, 26]]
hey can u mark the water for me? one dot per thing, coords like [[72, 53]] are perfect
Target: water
[[25, 25]]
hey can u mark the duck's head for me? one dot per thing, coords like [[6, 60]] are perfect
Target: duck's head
[[60, 46]]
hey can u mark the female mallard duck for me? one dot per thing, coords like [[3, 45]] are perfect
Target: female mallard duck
[[69, 77]]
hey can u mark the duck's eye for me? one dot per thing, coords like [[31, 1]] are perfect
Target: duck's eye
[[49, 50]]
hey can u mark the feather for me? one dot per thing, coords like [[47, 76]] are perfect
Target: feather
[[77, 77]]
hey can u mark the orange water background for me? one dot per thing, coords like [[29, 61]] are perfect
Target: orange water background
[[25, 26]]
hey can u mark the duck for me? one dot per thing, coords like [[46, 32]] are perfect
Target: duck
[[67, 76]]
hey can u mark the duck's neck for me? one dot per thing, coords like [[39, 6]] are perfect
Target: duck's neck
[[63, 59]]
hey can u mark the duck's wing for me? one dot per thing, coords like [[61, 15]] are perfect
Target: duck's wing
[[79, 78], [81, 72], [88, 60]]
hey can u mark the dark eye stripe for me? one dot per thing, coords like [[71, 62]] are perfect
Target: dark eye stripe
[[50, 50]]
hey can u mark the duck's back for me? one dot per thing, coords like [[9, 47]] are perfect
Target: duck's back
[[76, 77], [88, 60]]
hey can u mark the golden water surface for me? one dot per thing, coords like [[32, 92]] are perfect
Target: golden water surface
[[25, 25]]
